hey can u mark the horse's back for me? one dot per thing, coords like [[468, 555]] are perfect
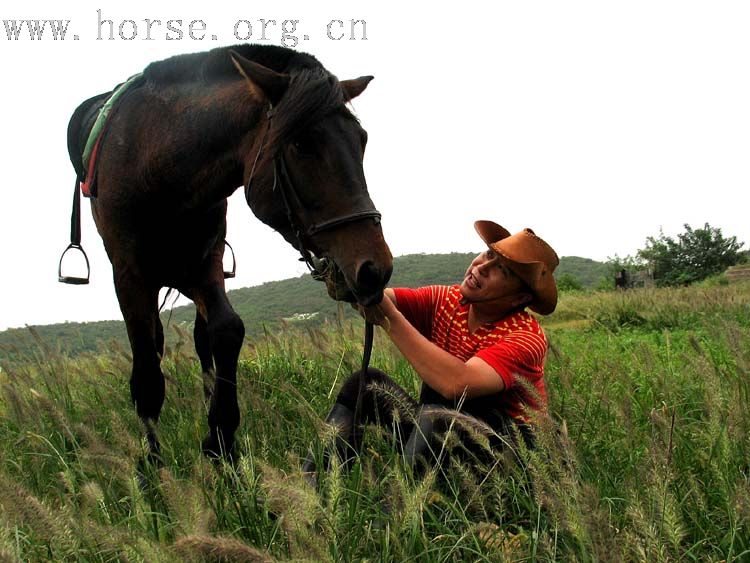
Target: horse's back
[[79, 127]]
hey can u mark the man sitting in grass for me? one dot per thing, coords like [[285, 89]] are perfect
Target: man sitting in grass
[[476, 349]]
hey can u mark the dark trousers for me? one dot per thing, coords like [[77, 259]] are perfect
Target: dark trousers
[[419, 427]]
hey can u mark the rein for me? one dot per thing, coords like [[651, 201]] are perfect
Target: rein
[[369, 334]]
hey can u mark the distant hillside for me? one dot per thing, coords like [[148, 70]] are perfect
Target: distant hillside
[[297, 299], [588, 272]]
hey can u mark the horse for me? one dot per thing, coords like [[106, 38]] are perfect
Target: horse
[[190, 131]]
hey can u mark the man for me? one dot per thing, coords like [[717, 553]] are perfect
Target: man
[[474, 346]]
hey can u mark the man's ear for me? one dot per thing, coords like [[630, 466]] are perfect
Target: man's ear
[[522, 299]]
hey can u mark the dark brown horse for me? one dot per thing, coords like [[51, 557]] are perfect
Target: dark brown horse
[[183, 139]]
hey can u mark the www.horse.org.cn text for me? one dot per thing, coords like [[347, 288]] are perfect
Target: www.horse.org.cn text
[[289, 32]]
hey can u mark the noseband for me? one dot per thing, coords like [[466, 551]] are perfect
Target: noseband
[[295, 211]]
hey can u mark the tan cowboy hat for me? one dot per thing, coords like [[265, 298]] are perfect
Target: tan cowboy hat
[[532, 260]]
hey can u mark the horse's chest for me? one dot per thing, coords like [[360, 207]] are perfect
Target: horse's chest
[[171, 249]]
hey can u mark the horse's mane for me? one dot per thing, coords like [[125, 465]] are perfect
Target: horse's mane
[[313, 92], [216, 63]]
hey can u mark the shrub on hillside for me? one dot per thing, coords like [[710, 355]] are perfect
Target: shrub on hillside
[[695, 255]]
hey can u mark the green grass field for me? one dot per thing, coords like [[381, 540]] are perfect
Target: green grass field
[[645, 455]]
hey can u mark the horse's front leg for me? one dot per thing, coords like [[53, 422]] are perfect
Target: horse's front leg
[[139, 305], [225, 336]]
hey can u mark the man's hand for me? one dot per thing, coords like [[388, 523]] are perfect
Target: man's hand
[[373, 314], [381, 313]]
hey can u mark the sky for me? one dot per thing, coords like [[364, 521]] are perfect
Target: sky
[[595, 123]]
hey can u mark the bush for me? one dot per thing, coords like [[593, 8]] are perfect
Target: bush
[[568, 282], [604, 284]]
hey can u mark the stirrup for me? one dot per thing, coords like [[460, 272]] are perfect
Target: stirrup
[[74, 280], [231, 273]]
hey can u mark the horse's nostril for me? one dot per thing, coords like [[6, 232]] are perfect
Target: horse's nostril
[[370, 281], [368, 276]]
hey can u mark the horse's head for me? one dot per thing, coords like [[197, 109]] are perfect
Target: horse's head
[[303, 166]]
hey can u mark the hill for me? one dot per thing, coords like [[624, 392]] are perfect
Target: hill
[[266, 306], [588, 272]]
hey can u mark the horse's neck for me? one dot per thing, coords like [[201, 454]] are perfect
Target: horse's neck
[[201, 136]]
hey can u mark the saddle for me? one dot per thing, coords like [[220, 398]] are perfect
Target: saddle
[[86, 132]]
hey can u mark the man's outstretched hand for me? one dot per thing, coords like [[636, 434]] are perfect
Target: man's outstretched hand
[[373, 314], [378, 314]]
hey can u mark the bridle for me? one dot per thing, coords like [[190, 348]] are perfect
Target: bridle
[[318, 267], [295, 211]]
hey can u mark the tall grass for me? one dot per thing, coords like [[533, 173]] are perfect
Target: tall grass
[[656, 308], [645, 455]]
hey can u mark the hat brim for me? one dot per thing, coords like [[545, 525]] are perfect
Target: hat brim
[[490, 232]]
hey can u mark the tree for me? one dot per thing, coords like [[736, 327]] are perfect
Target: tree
[[694, 256]]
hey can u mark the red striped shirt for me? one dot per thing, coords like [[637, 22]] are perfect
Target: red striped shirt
[[515, 346]]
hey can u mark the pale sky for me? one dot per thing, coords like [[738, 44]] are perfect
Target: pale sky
[[595, 123]]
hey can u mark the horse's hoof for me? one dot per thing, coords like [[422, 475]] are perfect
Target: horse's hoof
[[310, 472], [215, 447], [146, 468], [311, 479]]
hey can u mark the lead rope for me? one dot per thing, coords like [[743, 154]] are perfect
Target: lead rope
[[369, 334]]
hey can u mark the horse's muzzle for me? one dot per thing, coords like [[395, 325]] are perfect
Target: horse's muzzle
[[367, 289], [362, 262], [370, 283]]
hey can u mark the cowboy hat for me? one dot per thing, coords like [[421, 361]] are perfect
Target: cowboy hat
[[530, 258]]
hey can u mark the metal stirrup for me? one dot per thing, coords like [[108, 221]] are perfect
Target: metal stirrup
[[75, 241], [74, 280], [230, 273]]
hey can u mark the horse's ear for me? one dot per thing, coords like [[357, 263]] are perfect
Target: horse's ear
[[265, 84], [354, 87]]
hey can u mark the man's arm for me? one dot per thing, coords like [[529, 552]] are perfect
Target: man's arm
[[439, 369]]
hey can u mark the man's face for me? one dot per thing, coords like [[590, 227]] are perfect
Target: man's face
[[488, 279]]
